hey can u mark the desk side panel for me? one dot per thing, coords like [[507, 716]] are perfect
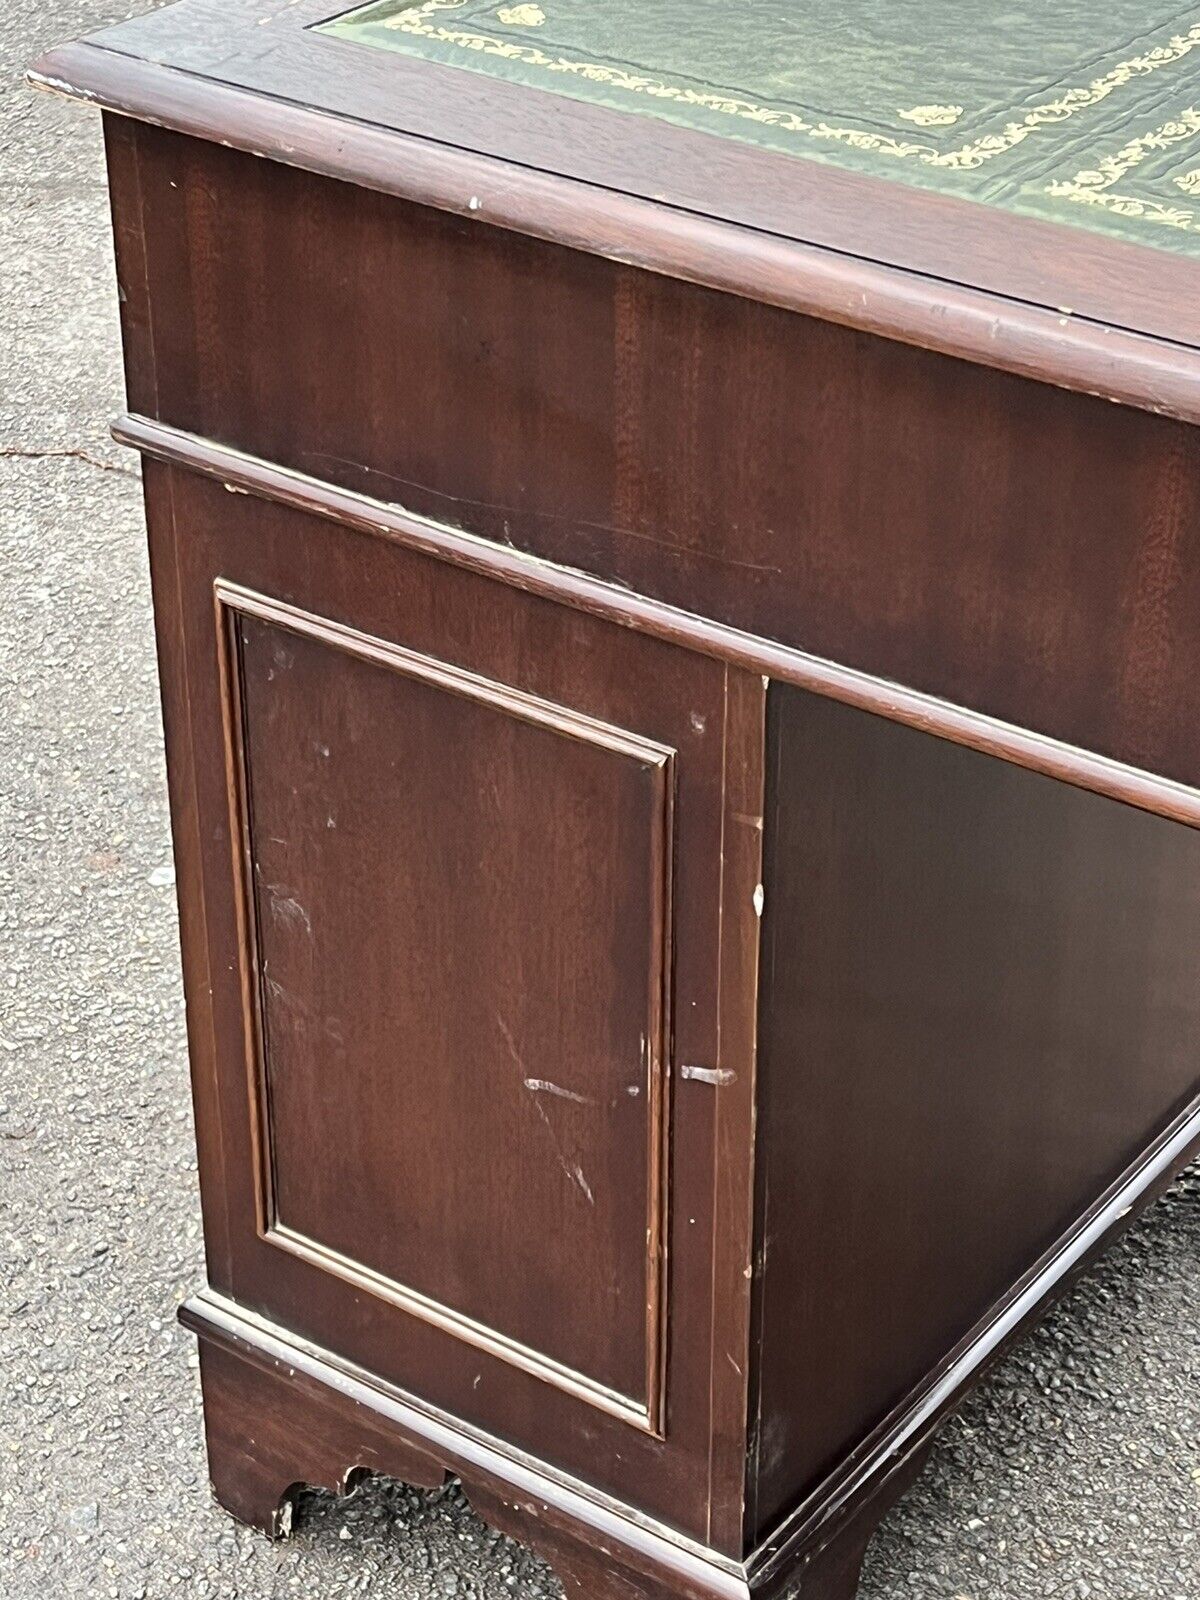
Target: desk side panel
[[980, 1006], [394, 1060]]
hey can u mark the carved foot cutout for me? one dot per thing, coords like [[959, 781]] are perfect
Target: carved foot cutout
[[268, 1440], [263, 1450], [274, 1430]]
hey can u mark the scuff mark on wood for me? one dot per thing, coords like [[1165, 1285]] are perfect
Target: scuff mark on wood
[[572, 1169], [544, 1086], [277, 992], [721, 1076], [286, 908], [672, 546], [585, 1186]]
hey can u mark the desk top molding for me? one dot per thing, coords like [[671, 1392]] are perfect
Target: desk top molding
[[1080, 309]]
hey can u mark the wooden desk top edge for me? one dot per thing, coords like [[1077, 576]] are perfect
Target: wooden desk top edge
[[1039, 299]]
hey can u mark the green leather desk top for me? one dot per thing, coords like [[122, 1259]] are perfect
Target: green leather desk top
[[1084, 112]]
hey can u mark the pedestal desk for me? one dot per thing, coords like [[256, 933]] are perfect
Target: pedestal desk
[[675, 536]]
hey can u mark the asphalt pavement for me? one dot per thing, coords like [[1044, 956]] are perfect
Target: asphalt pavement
[[1074, 1473]]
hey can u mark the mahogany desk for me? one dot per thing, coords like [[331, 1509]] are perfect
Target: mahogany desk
[[676, 550]]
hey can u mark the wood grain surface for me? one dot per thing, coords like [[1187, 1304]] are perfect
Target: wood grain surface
[[407, 1140], [979, 1006], [998, 543]]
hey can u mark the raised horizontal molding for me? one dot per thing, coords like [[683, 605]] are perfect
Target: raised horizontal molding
[[1051, 344], [242, 473], [885, 1452], [643, 1542]]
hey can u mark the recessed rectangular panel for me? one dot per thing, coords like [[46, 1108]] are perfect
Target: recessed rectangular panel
[[458, 912], [981, 1004]]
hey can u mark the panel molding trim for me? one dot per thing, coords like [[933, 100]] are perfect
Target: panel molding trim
[[1070, 763], [232, 603]]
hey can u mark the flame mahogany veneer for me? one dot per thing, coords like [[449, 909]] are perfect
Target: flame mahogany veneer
[[682, 695]]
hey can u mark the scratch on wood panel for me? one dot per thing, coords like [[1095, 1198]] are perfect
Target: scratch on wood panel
[[586, 1187], [497, 507], [284, 996], [286, 908], [543, 1086], [510, 1041], [572, 1169], [718, 1075]]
